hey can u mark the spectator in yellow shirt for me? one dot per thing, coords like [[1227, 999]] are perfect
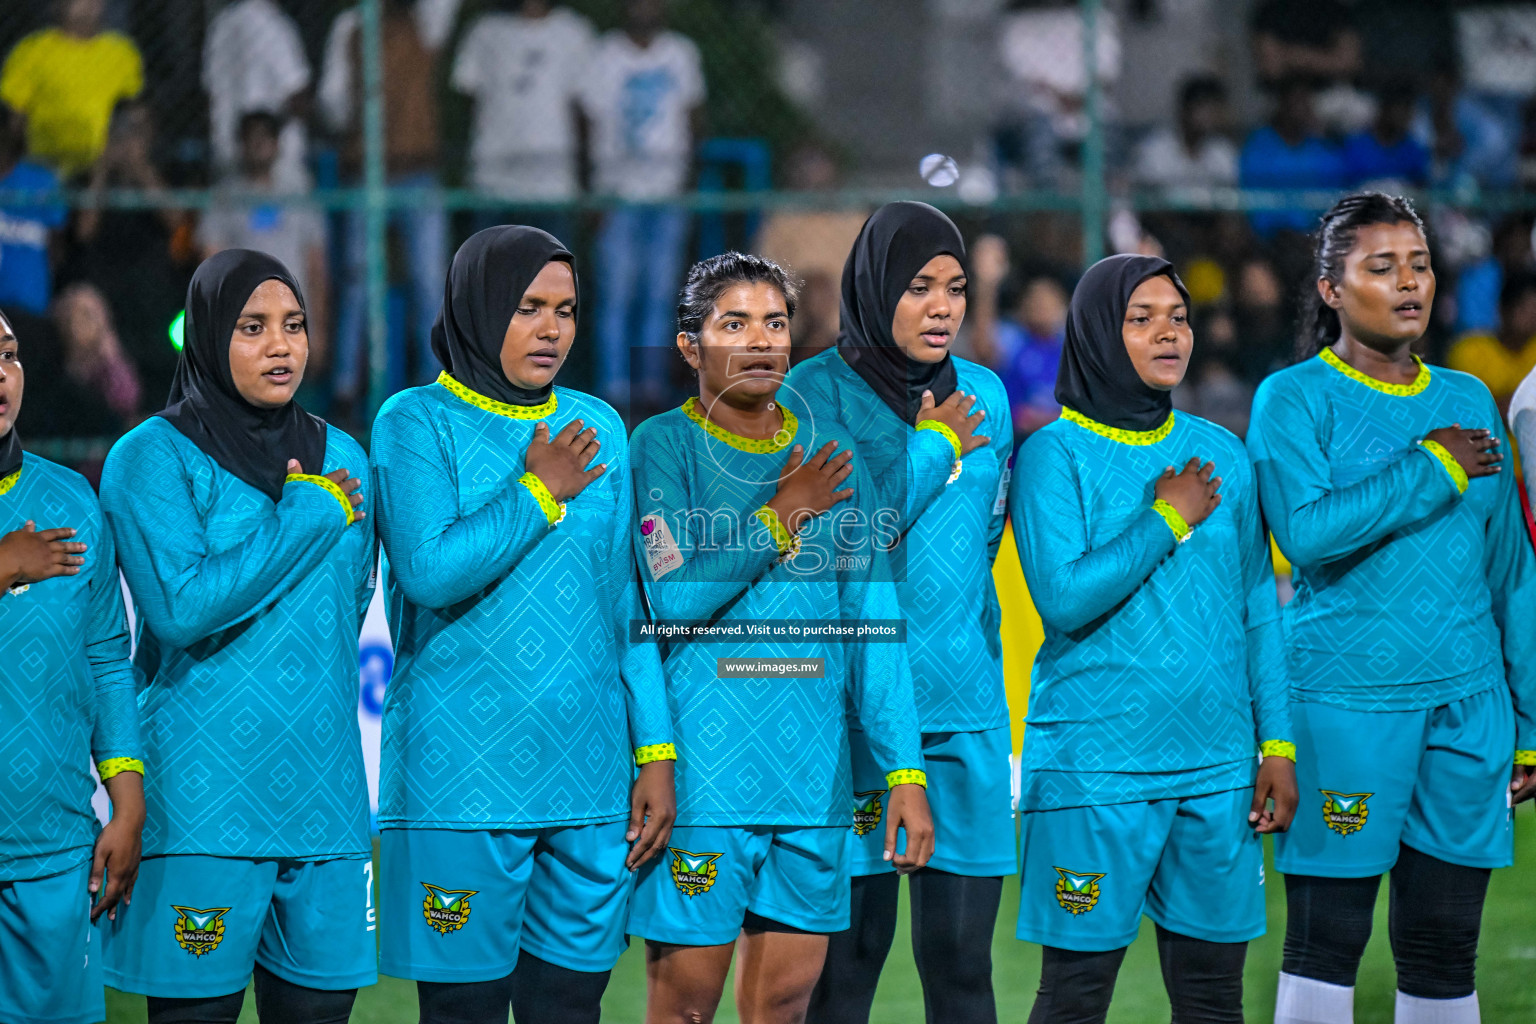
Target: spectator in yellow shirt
[[1501, 361], [66, 81]]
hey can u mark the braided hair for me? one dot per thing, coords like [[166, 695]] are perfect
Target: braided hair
[[1334, 240]]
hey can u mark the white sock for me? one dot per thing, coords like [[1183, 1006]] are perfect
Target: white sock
[[1417, 1010], [1309, 1001]]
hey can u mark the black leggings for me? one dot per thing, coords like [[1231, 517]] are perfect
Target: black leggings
[[277, 1002], [539, 992], [1434, 916], [953, 917], [1204, 982]]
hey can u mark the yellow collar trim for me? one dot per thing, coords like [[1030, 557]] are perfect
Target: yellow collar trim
[[1419, 383], [1141, 437], [757, 445], [9, 480], [516, 412]]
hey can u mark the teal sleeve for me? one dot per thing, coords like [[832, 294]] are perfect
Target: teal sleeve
[[710, 576], [880, 676], [650, 720], [1001, 448], [368, 558], [116, 725], [1315, 523], [1072, 584], [438, 556], [1268, 681], [185, 592], [1511, 570]]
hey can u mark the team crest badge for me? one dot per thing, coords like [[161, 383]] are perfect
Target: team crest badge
[[199, 932], [446, 910], [1077, 891], [694, 873], [1345, 812], [867, 811]]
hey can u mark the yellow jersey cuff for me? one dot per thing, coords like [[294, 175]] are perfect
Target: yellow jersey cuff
[[326, 484], [906, 777], [1447, 460], [1525, 757], [948, 434], [554, 511], [1181, 529], [1278, 748], [655, 752], [117, 765], [789, 545]]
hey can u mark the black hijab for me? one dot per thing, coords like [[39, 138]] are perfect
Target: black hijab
[[489, 275], [10, 444], [1097, 377], [253, 444], [892, 247]]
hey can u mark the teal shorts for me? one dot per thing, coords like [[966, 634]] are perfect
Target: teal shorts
[[198, 925], [970, 793], [1436, 780], [1192, 864], [698, 892], [50, 952], [459, 906]]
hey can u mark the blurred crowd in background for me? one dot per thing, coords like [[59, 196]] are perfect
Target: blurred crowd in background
[[597, 119]]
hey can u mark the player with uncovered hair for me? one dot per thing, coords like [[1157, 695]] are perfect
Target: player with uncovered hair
[[748, 516], [510, 804], [1158, 729], [1409, 642], [241, 532]]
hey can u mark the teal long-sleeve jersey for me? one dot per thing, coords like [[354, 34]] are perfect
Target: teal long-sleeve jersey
[[518, 700], [1160, 674], [66, 684], [765, 751], [950, 528], [1414, 586], [248, 614]]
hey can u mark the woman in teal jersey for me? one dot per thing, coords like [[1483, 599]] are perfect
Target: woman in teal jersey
[[511, 808], [66, 698], [240, 531], [745, 520], [915, 412], [1157, 687], [1409, 642]]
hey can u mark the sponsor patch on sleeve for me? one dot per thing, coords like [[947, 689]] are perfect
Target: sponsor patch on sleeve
[[662, 554], [1000, 503]]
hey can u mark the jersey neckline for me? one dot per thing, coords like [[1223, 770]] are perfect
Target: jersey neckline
[[756, 445], [1136, 437], [1420, 382], [479, 401]]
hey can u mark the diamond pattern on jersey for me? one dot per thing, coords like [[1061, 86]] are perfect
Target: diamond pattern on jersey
[[250, 735], [943, 567]]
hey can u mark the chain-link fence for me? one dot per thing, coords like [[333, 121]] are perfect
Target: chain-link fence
[[361, 142]]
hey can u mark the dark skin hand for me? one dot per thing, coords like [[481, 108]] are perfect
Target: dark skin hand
[[652, 810], [340, 477], [1192, 491], [1475, 451], [955, 413], [29, 555], [561, 462], [909, 810], [1277, 782], [1522, 783], [809, 488], [118, 846]]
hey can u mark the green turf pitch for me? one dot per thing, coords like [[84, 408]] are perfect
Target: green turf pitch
[[1507, 953]]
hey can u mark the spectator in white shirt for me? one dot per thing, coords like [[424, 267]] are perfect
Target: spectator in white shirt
[[642, 94], [522, 64], [253, 60], [1195, 153]]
